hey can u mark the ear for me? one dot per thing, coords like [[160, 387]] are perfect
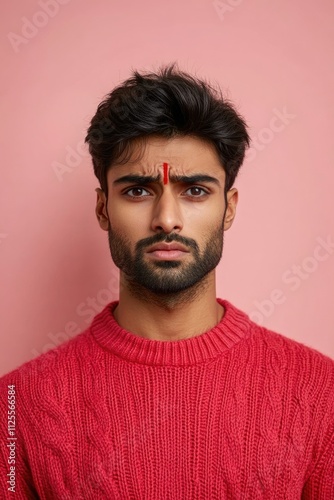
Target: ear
[[101, 210], [232, 201]]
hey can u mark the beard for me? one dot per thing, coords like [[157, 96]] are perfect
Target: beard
[[164, 278]]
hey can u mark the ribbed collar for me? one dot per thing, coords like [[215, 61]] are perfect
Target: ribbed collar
[[234, 326]]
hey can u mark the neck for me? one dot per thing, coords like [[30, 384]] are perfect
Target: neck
[[174, 316]]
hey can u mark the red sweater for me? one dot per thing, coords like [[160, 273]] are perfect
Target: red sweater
[[238, 412]]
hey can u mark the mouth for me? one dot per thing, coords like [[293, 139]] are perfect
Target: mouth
[[167, 251]]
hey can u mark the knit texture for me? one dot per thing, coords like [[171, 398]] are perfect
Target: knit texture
[[238, 412]]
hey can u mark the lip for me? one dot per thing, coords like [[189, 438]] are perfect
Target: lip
[[167, 247]]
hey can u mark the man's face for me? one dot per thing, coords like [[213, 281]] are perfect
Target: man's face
[[144, 216]]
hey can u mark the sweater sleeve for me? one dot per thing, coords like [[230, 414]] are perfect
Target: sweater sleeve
[[16, 479], [320, 483]]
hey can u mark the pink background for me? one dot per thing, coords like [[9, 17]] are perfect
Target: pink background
[[272, 59]]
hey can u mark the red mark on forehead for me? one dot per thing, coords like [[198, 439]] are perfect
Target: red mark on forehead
[[166, 173]]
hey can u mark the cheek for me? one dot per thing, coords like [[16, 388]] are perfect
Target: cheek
[[127, 224], [203, 218]]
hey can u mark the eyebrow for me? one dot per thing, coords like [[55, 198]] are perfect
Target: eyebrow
[[149, 179]]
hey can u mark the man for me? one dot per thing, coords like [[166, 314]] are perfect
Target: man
[[171, 393]]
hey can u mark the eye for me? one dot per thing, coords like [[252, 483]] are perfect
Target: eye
[[137, 192], [196, 192]]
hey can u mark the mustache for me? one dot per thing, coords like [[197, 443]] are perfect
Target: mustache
[[169, 238]]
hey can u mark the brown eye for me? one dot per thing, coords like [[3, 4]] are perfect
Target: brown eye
[[136, 192], [197, 192]]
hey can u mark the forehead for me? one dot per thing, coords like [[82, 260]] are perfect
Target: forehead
[[184, 155]]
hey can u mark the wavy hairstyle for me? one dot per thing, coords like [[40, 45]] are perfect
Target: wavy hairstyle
[[168, 103]]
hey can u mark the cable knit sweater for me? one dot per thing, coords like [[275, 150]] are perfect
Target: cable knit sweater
[[237, 412]]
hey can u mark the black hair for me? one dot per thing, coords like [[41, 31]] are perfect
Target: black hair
[[168, 103]]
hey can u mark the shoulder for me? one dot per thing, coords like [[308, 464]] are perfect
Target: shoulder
[[51, 365], [297, 354], [45, 390], [270, 343], [301, 369], [294, 350], [307, 372]]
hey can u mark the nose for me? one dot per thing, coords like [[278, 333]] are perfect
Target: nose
[[167, 215]]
